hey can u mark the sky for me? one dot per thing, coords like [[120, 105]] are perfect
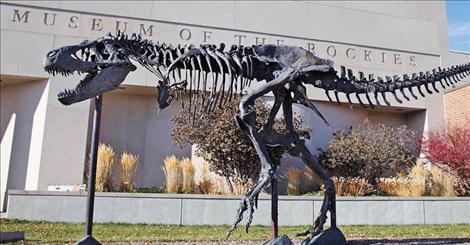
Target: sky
[[458, 20]]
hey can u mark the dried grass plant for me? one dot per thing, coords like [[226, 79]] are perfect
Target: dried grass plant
[[171, 168], [418, 176], [411, 185], [219, 185], [293, 181], [205, 184], [391, 186], [188, 171], [351, 186], [310, 181], [441, 183], [104, 168], [128, 167], [400, 186], [240, 187]]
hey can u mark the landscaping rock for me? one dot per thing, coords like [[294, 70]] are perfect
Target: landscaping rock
[[280, 240], [331, 236]]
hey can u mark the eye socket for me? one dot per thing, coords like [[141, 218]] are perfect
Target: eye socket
[[100, 47]]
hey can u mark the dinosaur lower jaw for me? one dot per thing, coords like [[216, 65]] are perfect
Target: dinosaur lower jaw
[[84, 89], [105, 78], [68, 95]]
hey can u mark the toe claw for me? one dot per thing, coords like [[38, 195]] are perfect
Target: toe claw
[[250, 212], [243, 207], [304, 233]]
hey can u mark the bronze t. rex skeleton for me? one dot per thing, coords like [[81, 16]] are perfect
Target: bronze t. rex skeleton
[[286, 70]]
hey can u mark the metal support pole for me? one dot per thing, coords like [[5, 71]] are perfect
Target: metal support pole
[[88, 239], [333, 211], [274, 207]]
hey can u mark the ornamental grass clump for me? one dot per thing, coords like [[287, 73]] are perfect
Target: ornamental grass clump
[[205, 185], [188, 171], [441, 183], [411, 185], [171, 168], [128, 167], [240, 187], [293, 181], [420, 181], [401, 186], [310, 181], [351, 186], [104, 168], [418, 176]]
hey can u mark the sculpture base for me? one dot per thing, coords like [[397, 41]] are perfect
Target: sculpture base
[[280, 240], [88, 240], [331, 236]]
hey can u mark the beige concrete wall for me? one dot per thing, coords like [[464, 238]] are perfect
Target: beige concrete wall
[[22, 117], [130, 123]]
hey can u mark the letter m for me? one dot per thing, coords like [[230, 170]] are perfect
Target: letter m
[[18, 18], [148, 32]]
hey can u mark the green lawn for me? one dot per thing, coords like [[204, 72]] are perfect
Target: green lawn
[[49, 232]]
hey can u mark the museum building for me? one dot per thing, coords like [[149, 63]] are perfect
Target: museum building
[[44, 142]]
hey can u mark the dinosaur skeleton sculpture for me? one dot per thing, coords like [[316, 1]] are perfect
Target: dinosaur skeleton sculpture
[[286, 70]]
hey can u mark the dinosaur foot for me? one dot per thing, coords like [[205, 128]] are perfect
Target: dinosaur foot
[[316, 229], [246, 203], [249, 202]]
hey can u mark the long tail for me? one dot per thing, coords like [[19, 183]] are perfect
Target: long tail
[[346, 82]]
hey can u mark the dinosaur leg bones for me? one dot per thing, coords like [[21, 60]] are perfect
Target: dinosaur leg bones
[[278, 98], [247, 122], [300, 150]]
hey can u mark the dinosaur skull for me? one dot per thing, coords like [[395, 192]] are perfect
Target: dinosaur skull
[[102, 61]]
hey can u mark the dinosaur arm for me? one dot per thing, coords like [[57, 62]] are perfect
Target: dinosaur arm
[[300, 97]]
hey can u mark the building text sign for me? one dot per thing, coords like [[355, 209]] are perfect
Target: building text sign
[[91, 26]]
